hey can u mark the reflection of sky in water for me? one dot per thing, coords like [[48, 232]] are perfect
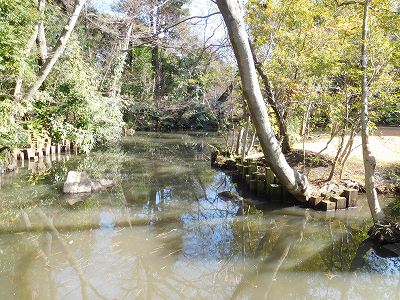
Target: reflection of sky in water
[[383, 265], [208, 231], [204, 248], [106, 220]]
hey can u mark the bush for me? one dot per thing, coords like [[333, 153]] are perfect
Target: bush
[[11, 132]]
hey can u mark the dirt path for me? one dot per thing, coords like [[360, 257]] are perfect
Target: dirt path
[[385, 146]]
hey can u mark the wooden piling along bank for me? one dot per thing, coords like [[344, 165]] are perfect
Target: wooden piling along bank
[[37, 157], [255, 178], [38, 148]]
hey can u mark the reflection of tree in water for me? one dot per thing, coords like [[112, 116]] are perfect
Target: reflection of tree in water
[[290, 270], [190, 242]]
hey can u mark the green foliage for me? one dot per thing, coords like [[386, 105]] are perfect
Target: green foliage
[[16, 23], [11, 132], [72, 109], [313, 54]]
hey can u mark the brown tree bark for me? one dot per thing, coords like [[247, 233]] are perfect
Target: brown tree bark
[[269, 92], [295, 182], [369, 159]]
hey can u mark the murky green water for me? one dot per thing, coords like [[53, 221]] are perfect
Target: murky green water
[[163, 233]]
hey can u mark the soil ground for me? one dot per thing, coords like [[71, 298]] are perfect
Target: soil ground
[[385, 146]]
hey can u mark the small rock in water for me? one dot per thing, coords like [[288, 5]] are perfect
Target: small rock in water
[[77, 182], [80, 182]]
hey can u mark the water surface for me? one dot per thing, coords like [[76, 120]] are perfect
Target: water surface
[[163, 233]]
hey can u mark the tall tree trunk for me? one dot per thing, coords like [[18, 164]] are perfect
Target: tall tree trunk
[[306, 116], [155, 54], [369, 159], [155, 51], [239, 140], [269, 92], [253, 139], [295, 182], [246, 135], [41, 36], [58, 49], [119, 68]]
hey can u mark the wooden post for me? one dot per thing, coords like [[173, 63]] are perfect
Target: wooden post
[[314, 201], [247, 182], [252, 168], [275, 192], [340, 201], [245, 172], [270, 176], [261, 191], [327, 205], [253, 186], [351, 197]]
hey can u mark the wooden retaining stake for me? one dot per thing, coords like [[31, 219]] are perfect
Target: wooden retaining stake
[[261, 190], [247, 181], [327, 205], [253, 186], [339, 201], [262, 182], [28, 153], [314, 201], [245, 172], [252, 168], [270, 176], [351, 197], [275, 192], [46, 149]]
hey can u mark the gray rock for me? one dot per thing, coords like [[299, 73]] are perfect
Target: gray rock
[[77, 182], [102, 184], [80, 182]]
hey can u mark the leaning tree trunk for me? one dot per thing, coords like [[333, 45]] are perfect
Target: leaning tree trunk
[[246, 136], [39, 35], [20, 80], [269, 92], [58, 49], [295, 182], [369, 159]]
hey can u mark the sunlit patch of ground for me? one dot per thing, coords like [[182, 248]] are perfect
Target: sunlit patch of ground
[[384, 144]]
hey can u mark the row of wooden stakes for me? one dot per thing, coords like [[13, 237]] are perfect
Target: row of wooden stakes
[[258, 180], [43, 147]]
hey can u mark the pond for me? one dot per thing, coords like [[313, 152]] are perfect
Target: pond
[[164, 233]]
